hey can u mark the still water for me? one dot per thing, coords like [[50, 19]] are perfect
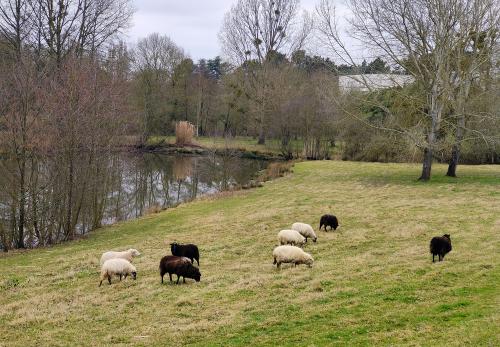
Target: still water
[[64, 199]]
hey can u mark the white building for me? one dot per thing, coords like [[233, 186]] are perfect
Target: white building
[[369, 82]]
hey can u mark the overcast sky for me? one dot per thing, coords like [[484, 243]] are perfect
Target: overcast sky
[[191, 24]]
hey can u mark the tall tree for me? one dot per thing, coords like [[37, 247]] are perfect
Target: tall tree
[[254, 30], [155, 60], [421, 37]]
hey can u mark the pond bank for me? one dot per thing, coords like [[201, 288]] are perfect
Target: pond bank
[[167, 148]]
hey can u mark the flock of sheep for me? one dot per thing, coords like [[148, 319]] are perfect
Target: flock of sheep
[[181, 262], [291, 241]]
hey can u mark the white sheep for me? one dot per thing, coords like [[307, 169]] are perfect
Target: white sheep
[[305, 230], [119, 267], [127, 255], [290, 237], [291, 254]]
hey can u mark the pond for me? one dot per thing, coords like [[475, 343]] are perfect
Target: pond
[[64, 200]]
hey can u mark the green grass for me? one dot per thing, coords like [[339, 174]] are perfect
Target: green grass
[[271, 146], [373, 282]]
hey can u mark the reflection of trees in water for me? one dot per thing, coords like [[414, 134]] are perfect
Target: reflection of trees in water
[[110, 188]]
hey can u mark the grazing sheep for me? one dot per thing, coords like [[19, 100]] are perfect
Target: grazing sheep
[[329, 220], [188, 250], [305, 230], [290, 237], [119, 267], [127, 255], [181, 266], [440, 245], [291, 254]]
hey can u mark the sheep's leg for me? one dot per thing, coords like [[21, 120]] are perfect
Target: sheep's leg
[[100, 283], [198, 261], [178, 278], [440, 258], [184, 279], [125, 276], [109, 279], [120, 277], [170, 275], [162, 278], [433, 257]]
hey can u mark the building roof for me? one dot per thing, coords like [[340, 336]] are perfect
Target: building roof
[[369, 82]]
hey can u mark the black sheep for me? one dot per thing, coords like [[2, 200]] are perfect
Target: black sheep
[[188, 250], [440, 245], [180, 266], [329, 220]]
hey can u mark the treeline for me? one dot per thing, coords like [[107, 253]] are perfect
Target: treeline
[[62, 89]]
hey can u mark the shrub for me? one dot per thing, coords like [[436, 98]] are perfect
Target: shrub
[[184, 132], [275, 170]]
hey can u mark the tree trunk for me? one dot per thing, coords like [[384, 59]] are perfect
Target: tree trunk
[[262, 136], [452, 166], [455, 154], [69, 232], [22, 201], [427, 165], [436, 109]]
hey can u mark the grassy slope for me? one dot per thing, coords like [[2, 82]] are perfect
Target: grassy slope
[[373, 282]]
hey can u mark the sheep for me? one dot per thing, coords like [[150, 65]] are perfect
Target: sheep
[[305, 230], [119, 267], [440, 245], [127, 255], [290, 237], [188, 250], [291, 254], [181, 266], [329, 220]]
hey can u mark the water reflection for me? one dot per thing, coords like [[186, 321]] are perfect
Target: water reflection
[[109, 189]]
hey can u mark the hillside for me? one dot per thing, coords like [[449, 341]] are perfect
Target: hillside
[[373, 282]]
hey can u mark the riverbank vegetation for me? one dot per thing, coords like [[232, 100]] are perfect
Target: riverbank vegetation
[[373, 281]]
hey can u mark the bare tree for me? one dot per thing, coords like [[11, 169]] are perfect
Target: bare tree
[[253, 28], [80, 26], [21, 107], [155, 59], [14, 22], [420, 36], [472, 60], [258, 30]]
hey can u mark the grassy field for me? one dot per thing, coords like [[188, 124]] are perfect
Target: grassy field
[[373, 282]]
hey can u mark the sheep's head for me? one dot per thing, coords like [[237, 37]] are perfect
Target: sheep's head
[[134, 252], [309, 261], [314, 240], [173, 246], [195, 274], [134, 275], [335, 223], [447, 236]]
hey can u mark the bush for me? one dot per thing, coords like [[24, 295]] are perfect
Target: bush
[[184, 132]]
